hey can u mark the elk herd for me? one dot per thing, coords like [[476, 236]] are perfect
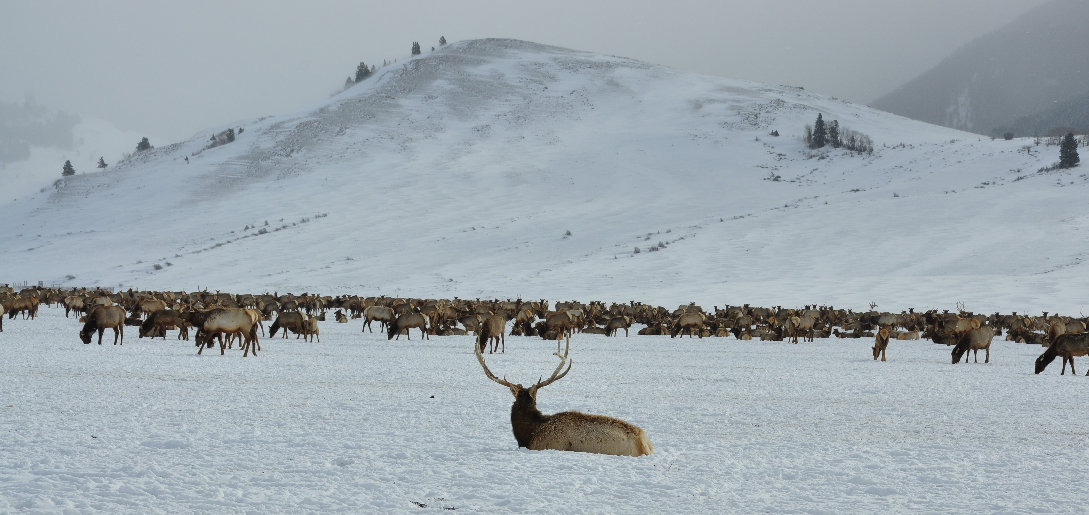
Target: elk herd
[[228, 318]]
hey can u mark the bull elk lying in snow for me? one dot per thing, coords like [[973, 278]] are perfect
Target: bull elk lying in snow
[[1067, 346], [569, 430]]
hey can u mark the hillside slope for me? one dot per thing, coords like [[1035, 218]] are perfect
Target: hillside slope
[[502, 168]]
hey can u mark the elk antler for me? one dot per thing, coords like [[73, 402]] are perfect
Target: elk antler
[[480, 358], [556, 375]]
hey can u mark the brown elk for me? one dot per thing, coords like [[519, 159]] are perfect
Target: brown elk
[[617, 323], [384, 315], [492, 329], [294, 320], [1068, 346], [159, 321], [241, 321], [568, 430], [974, 340], [101, 318], [310, 330], [405, 322], [690, 323], [881, 342]]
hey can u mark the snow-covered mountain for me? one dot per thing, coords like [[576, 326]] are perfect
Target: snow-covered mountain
[[504, 168], [1012, 79]]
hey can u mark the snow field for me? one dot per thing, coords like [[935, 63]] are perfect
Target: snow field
[[359, 424]]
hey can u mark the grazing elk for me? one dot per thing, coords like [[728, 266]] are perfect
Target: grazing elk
[[492, 329], [1068, 346], [159, 321], [241, 321], [294, 320], [101, 318], [881, 342], [405, 322], [569, 430], [974, 340], [384, 315], [690, 323]]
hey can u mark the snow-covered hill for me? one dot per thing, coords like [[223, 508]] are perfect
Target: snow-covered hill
[[503, 168]]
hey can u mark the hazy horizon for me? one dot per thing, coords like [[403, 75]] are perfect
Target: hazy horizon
[[171, 71]]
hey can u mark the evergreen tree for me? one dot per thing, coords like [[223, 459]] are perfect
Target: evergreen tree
[[348, 83], [68, 169], [833, 134], [820, 133], [102, 162], [362, 71], [143, 145], [1068, 152], [442, 40], [415, 48]]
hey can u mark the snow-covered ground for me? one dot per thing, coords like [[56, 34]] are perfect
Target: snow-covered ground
[[505, 169], [359, 424]]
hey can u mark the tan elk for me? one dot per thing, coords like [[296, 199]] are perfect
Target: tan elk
[[881, 342], [491, 330], [101, 318], [220, 321], [974, 340], [569, 430]]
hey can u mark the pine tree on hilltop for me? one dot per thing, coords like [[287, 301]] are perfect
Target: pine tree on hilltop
[[362, 71], [415, 48], [102, 162], [442, 40], [68, 169], [820, 133], [1068, 152], [143, 145]]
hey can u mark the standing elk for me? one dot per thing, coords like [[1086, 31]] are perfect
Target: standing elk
[[384, 315], [616, 323], [294, 320], [241, 321], [974, 340], [405, 322], [568, 430], [101, 318], [881, 342], [1068, 346], [492, 329]]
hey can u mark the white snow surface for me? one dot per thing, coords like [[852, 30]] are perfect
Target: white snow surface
[[507, 169], [361, 425]]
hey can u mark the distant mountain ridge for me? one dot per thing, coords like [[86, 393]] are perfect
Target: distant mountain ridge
[[1010, 79]]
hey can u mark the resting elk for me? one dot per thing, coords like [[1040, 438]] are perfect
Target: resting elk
[[101, 318], [569, 430], [1068, 346]]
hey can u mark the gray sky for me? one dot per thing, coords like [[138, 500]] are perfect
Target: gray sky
[[171, 69]]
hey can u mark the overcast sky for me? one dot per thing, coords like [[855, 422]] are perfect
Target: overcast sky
[[172, 69]]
